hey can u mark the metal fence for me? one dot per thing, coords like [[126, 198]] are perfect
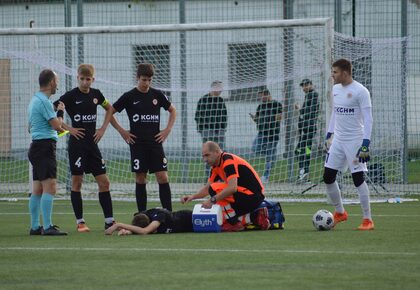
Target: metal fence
[[360, 18]]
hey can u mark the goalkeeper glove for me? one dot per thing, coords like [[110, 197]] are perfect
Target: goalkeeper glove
[[363, 153], [327, 143]]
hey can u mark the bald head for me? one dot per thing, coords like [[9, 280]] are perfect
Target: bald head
[[212, 146], [211, 153]]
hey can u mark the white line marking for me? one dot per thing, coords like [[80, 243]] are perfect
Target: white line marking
[[208, 250], [287, 214]]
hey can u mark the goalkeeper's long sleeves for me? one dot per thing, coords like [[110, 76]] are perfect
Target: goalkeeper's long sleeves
[[368, 122]]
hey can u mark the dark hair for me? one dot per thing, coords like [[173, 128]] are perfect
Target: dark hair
[[343, 64], [145, 69], [140, 220], [264, 92], [305, 82], [45, 77]]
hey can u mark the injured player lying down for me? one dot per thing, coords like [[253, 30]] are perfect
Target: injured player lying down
[[155, 221]]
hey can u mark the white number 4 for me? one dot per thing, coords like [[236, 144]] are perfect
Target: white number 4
[[78, 162]]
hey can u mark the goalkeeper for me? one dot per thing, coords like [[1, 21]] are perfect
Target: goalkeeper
[[351, 124]]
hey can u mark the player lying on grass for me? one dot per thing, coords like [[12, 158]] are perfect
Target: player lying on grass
[[155, 221]]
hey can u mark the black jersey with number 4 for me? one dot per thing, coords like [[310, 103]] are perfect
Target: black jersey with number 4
[[143, 110], [82, 108]]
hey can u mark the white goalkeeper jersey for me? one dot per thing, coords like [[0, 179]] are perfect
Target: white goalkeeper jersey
[[348, 102]]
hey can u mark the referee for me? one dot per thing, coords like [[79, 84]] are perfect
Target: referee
[[44, 123]]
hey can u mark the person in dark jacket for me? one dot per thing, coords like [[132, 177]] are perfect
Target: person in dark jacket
[[267, 118], [308, 115], [211, 117]]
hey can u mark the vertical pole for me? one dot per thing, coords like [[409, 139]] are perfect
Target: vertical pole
[[184, 108], [353, 18], [337, 16], [80, 37], [329, 43], [404, 102], [68, 62], [288, 58], [67, 41], [33, 46]]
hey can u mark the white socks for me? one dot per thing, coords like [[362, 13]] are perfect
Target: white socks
[[334, 193], [364, 200]]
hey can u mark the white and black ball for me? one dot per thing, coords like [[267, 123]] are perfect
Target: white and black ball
[[323, 220]]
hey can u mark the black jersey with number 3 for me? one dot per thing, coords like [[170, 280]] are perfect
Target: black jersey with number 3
[[82, 108], [143, 111]]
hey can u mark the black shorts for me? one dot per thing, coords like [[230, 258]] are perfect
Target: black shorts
[[42, 155], [148, 157], [245, 203], [182, 221], [85, 157]]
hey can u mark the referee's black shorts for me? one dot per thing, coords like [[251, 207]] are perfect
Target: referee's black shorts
[[42, 155]]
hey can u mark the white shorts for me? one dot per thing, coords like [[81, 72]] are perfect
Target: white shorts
[[343, 154]]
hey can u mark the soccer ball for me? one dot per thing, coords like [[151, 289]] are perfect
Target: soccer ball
[[323, 220]]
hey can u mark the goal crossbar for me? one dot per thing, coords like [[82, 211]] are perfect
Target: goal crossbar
[[169, 27]]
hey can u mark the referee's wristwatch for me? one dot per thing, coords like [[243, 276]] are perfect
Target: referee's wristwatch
[[213, 200]]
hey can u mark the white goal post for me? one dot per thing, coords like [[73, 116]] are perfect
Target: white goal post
[[247, 57]]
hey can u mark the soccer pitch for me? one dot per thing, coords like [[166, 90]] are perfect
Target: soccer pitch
[[295, 258]]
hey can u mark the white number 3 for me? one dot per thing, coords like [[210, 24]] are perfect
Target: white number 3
[[136, 164]]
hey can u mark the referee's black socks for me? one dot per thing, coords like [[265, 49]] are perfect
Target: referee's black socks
[[165, 196]]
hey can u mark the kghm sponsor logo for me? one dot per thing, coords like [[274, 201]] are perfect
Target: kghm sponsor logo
[[85, 118], [344, 111], [204, 222], [149, 118]]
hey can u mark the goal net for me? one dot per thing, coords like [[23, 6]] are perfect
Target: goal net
[[247, 59]]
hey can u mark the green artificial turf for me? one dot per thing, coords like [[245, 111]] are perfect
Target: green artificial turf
[[295, 258]]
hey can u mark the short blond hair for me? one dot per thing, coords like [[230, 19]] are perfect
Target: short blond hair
[[86, 70]]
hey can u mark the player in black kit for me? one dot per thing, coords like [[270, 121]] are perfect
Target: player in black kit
[[143, 104], [155, 220], [84, 155]]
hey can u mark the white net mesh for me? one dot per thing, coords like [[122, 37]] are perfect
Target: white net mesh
[[246, 60]]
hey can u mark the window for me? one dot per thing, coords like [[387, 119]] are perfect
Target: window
[[158, 55], [247, 70]]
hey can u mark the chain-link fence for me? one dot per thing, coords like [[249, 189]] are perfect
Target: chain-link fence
[[366, 19]]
